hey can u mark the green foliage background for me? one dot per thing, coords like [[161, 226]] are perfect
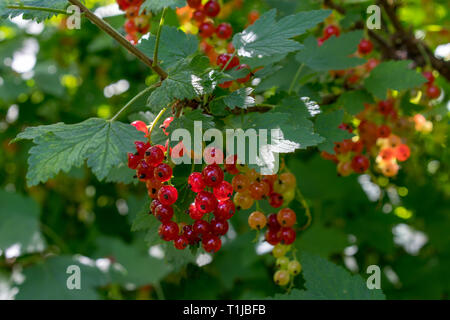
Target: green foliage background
[[74, 218]]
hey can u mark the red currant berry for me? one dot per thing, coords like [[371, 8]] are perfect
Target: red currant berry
[[365, 46], [163, 213], [180, 242], [168, 231], [212, 175], [211, 243], [402, 152], [223, 58], [213, 155], [286, 217], [167, 195], [133, 161], [230, 164], [195, 182], [287, 235], [247, 77], [199, 16], [194, 213], [123, 4], [219, 227], [141, 147], [130, 27], [194, 4], [252, 17], [258, 190], [383, 131], [189, 233], [201, 227], [257, 220], [385, 107], [273, 236], [240, 183], [387, 154], [433, 91], [153, 205], [205, 202], [153, 185], [429, 76], [212, 8], [224, 30], [225, 209], [223, 191], [163, 172], [154, 155], [360, 163], [144, 170], [272, 222], [206, 29], [331, 30], [275, 200]]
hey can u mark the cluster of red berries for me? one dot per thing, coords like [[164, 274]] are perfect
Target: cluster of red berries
[[214, 38], [287, 269], [279, 226], [250, 186], [375, 140], [431, 90], [137, 23]]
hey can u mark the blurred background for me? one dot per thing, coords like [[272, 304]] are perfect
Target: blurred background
[[50, 74]]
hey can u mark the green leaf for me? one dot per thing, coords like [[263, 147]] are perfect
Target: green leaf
[[186, 80], [392, 75], [267, 37], [174, 45], [191, 121], [48, 280], [104, 144], [121, 174], [327, 281], [36, 15], [157, 5], [323, 241], [333, 54], [240, 98], [327, 125], [19, 225], [140, 267], [353, 101]]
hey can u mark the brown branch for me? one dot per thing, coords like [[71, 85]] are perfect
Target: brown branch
[[119, 38], [413, 45]]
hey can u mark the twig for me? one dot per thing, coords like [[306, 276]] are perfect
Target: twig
[[158, 36], [119, 38], [129, 103]]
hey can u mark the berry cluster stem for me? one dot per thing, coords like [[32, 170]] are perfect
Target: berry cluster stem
[[134, 99], [119, 38], [158, 36], [158, 117]]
